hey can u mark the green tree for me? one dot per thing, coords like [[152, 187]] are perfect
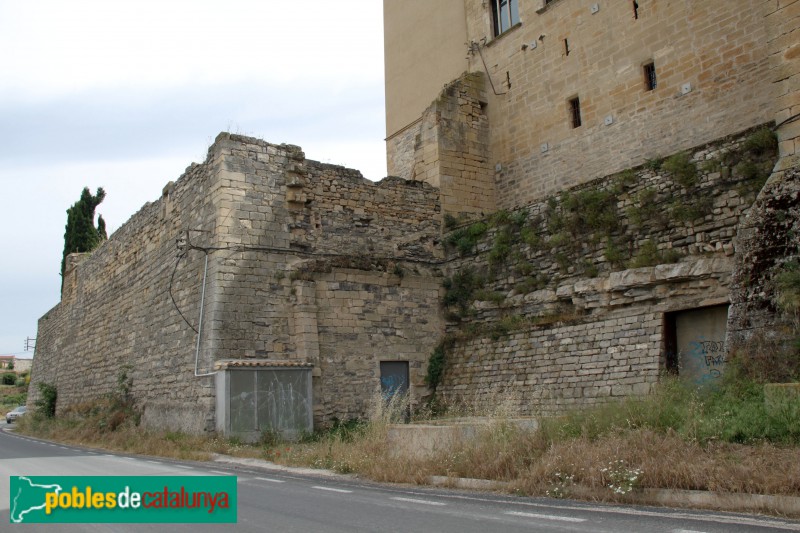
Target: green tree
[[80, 234]]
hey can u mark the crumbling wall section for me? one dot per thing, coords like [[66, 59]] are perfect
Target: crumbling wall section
[[767, 239], [223, 267], [451, 150]]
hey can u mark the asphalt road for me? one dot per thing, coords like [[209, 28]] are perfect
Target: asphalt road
[[280, 501]]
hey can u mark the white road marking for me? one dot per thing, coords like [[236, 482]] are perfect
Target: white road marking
[[219, 472], [331, 489], [686, 531], [688, 515], [414, 500], [182, 466], [546, 516], [270, 480], [155, 462]]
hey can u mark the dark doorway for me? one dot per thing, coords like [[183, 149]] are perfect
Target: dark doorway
[[394, 378], [694, 340]]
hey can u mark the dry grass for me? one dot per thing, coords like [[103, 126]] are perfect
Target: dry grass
[[671, 440]]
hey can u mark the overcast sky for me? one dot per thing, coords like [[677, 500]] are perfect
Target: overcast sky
[[126, 94]]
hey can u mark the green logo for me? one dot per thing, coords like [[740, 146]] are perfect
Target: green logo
[[122, 499]]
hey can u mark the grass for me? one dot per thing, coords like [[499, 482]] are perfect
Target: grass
[[726, 439], [12, 396]]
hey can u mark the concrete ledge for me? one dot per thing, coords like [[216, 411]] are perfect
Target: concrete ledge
[[467, 483], [421, 441], [267, 465]]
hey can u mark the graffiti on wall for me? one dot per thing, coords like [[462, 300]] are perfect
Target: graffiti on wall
[[704, 361]]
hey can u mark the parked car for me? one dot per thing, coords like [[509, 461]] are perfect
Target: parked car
[[16, 413]]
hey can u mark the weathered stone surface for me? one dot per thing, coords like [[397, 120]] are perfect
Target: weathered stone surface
[[336, 274]]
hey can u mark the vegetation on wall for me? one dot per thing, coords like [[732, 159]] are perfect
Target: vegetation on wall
[[621, 221], [46, 404], [80, 234], [776, 358]]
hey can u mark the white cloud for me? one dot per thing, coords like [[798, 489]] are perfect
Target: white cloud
[[126, 94], [53, 47]]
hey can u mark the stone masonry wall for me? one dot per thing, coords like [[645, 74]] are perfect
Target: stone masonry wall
[[116, 314], [783, 23], [289, 217], [767, 239], [567, 298], [365, 318], [259, 222], [713, 69], [400, 151], [549, 368], [451, 150]]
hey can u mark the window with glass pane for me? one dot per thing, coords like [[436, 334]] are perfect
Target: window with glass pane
[[505, 14]]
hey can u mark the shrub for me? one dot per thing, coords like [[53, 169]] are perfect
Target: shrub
[[501, 247], [787, 288], [653, 164], [460, 288], [646, 256], [46, 404], [682, 168], [450, 221], [9, 379], [760, 142], [646, 208], [465, 239], [436, 364], [692, 210]]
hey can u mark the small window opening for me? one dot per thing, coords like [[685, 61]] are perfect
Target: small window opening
[[575, 112], [650, 76], [635, 10], [566, 46]]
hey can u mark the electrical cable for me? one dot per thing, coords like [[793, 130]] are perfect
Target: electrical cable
[[475, 46], [171, 280]]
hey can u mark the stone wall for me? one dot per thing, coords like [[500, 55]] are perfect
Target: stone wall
[[784, 42], [767, 238], [717, 63], [712, 67], [116, 314], [258, 223], [568, 298], [365, 318], [400, 151], [451, 150]]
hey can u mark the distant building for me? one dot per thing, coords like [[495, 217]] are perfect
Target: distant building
[[17, 364]]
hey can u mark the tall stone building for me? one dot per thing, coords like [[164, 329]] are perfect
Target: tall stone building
[[617, 267], [578, 205]]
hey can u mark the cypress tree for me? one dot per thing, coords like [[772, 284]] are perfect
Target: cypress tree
[[80, 234]]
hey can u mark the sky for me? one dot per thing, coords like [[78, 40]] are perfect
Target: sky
[[126, 94]]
